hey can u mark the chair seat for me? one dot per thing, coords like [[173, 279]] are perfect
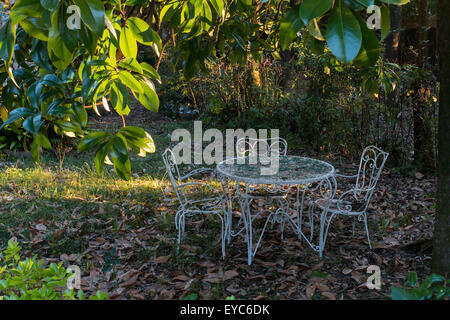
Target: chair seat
[[340, 206]]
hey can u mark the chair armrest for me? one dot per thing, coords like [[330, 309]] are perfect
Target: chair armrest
[[346, 176]]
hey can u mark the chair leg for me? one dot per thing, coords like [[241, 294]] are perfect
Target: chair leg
[[180, 226], [367, 229], [223, 234], [311, 220], [223, 237]]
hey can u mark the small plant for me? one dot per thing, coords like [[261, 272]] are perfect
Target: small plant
[[29, 280], [433, 287]]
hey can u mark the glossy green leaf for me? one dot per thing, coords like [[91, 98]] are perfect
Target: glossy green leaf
[[311, 9], [16, 114], [7, 41], [141, 30], [127, 43], [120, 99], [49, 4], [314, 30], [92, 140], [365, 3], [149, 99], [150, 72], [401, 294], [67, 126], [79, 114], [131, 65], [120, 158], [130, 81], [344, 37], [26, 8], [33, 123], [218, 6], [42, 140], [385, 21], [100, 156], [35, 28], [138, 139], [59, 53], [412, 279], [370, 48], [93, 14], [289, 26], [397, 2]]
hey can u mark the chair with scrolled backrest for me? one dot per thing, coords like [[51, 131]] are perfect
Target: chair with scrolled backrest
[[188, 207], [261, 147], [355, 201], [264, 147]]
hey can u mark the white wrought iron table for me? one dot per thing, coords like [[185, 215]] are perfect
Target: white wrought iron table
[[294, 171]]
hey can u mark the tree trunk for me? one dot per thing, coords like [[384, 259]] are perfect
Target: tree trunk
[[393, 39], [441, 243], [423, 138]]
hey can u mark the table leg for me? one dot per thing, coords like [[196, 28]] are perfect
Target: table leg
[[229, 207], [247, 218]]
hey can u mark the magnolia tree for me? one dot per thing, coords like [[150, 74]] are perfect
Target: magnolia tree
[[60, 57]]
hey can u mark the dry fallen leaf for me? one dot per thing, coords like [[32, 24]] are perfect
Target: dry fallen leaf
[[346, 270], [230, 274], [161, 259], [181, 277]]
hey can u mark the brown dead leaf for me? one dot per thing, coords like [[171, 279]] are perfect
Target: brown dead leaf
[[346, 270], [130, 281], [318, 266], [162, 259], [230, 274], [181, 277], [358, 277], [166, 294]]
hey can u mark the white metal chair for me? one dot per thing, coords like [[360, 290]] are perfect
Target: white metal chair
[[253, 147], [354, 202], [261, 147], [189, 207]]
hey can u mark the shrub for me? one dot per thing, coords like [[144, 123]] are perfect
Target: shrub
[[433, 287], [29, 280]]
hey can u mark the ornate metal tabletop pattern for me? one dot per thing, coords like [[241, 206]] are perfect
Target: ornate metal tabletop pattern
[[293, 170]]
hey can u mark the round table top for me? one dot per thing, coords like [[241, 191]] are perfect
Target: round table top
[[292, 170]]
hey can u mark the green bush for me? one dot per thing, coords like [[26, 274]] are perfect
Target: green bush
[[29, 280], [433, 287]]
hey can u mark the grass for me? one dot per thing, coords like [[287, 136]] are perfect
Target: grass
[[32, 192]]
